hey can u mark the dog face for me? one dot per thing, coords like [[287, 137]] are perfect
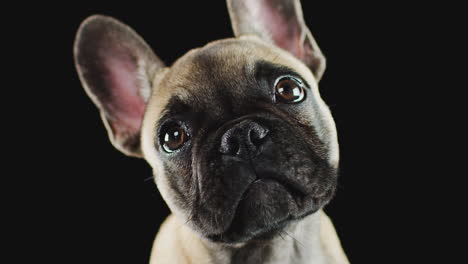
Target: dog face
[[240, 142]]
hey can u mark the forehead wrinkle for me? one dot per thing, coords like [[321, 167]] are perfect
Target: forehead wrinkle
[[219, 64]]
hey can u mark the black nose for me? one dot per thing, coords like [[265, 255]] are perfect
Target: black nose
[[243, 139]]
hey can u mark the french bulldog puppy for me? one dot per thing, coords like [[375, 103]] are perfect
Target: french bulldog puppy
[[244, 151]]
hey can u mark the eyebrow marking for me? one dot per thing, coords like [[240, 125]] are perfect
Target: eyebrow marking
[[269, 71]]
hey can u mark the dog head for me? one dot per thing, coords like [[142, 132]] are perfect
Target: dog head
[[240, 142]]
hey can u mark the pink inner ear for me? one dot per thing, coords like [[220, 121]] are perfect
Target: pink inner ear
[[124, 104], [284, 28]]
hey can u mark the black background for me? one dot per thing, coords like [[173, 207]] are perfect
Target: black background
[[103, 208]]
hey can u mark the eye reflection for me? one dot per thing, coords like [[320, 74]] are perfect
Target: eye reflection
[[174, 138], [289, 90]]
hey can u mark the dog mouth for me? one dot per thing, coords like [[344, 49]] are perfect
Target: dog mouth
[[263, 211]]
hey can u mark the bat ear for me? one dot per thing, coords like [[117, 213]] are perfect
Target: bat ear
[[116, 68], [281, 23]]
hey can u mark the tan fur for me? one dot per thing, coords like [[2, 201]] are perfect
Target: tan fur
[[176, 243], [330, 241]]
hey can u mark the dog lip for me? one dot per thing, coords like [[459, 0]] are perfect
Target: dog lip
[[293, 188], [298, 195], [221, 237], [238, 203], [225, 237], [290, 187]]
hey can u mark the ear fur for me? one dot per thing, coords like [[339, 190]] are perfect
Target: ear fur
[[116, 68], [279, 22]]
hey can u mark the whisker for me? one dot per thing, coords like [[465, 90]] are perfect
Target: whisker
[[190, 217], [298, 242], [281, 235], [149, 178]]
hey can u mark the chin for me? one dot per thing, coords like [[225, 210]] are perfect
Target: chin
[[265, 210]]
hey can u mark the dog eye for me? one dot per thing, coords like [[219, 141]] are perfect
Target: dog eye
[[289, 90], [173, 137]]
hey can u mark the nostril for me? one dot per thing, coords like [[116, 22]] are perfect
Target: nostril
[[257, 134], [229, 144], [243, 139]]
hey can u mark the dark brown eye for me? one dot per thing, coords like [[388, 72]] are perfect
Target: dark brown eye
[[173, 138], [289, 90]]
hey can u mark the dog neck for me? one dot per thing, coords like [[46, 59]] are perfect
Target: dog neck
[[311, 240]]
